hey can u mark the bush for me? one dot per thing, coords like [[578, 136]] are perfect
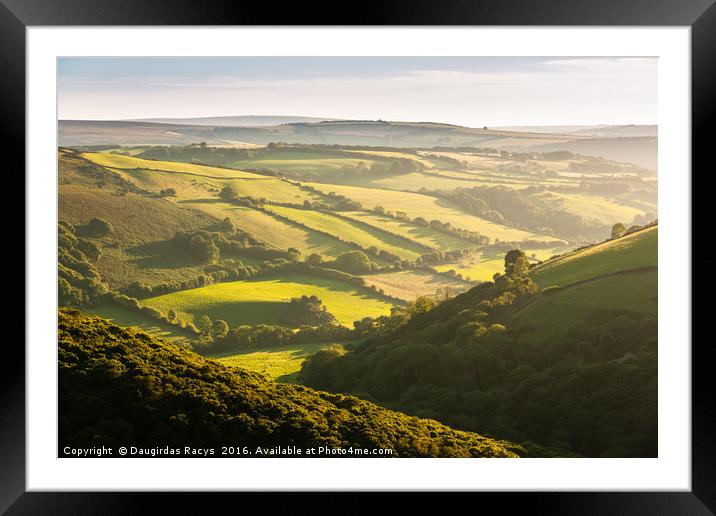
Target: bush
[[352, 262], [306, 310], [99, 228]]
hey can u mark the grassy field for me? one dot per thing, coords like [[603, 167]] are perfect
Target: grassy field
[[281, 363], [397, 154], [262, 301], [591, 207], [124, 161], [189, 186], [442, 180], [273, 231], [273, 189], [408, 285], [129, 318], [550, 315], [426, 236], [418, 205], [477, 266], [351, 232], [305, 162], [639, 249]]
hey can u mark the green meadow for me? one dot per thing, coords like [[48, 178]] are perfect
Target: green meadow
[[639, 249], [280, 363], [263, 301], [305, 162]]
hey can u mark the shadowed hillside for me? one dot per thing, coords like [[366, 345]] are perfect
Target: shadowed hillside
[[123, 387]]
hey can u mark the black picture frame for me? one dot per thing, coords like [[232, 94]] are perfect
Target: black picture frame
[[700, 15]]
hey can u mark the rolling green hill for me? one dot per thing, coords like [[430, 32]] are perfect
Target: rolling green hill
[[638, 249], [120, 387]]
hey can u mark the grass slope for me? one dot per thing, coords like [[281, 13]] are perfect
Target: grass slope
[[262, 301], [122, 387], [553, 312], [136, 218], [124, 161], [273, 231], [639, 249], [591, 207], [351, 232]]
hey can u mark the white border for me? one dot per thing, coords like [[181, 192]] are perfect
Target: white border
[[671, 471]]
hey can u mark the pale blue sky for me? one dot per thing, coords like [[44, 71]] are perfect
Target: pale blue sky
[[473, 91]]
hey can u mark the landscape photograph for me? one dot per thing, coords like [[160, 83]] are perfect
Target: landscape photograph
[[382, 257]]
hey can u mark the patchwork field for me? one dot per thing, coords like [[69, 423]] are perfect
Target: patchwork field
[[425, 236], [396, 154], [305, 162], [350, 232], [409, 285], [263, 301], [638, 249], [273, 231], [418, 205]]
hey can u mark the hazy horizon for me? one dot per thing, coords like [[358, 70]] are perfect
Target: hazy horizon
[[467, 91]]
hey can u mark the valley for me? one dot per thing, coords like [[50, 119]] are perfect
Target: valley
[[451, 274]]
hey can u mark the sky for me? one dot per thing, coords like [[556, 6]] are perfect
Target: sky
[[469, 91]]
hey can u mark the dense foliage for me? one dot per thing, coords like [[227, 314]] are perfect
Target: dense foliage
[[591, 392], [306, 310], [120, 387], [78, 282]]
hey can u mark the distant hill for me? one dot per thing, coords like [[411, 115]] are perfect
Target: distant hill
[[235, 121], [605, 131], [120, 386], [638, 150]]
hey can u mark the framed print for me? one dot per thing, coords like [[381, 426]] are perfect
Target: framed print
[[267, 253]]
